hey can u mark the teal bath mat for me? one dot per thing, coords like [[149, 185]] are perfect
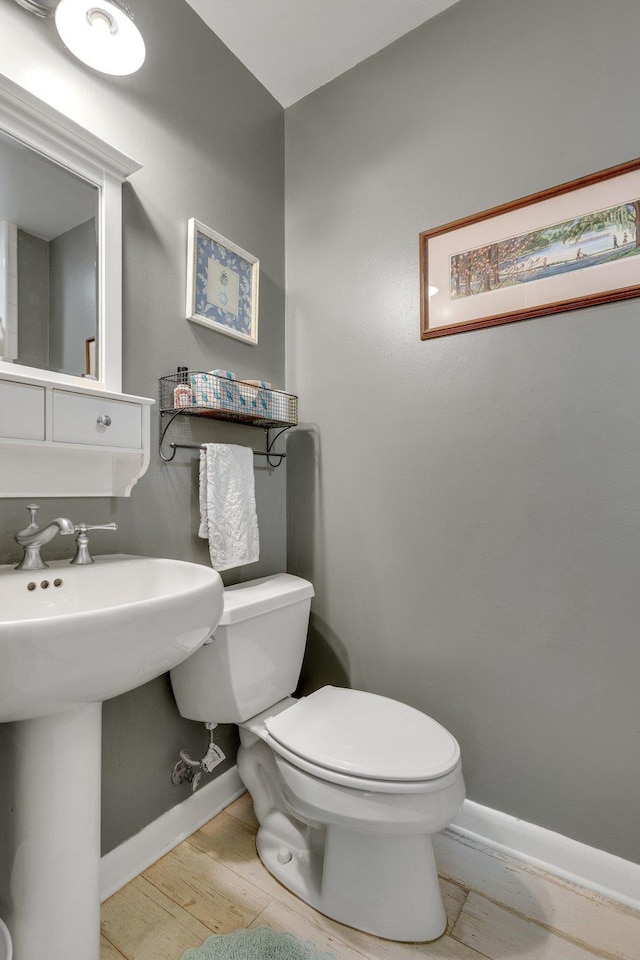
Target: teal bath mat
[[259, 944]]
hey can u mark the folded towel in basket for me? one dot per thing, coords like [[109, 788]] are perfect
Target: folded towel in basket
[[215, 392], [228, 516], [254, 401]]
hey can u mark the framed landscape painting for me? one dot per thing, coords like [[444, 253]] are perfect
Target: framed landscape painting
[[572, 246], [222, 284]]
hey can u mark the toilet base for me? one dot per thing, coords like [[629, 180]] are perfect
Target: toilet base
[[381, 883], [363, 881]]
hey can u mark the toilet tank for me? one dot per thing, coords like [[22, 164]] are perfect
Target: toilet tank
[[255, 655]]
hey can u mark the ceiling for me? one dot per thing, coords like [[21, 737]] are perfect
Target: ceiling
[[295, 46]]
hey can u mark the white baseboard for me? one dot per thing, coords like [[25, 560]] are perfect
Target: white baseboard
[[134, 855], [496, 833], [499, 833]]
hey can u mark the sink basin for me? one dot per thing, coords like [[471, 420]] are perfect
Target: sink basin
[[71, 637], [99, 630]]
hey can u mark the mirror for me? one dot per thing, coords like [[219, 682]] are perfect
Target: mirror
[[60, 246], [49, 284]]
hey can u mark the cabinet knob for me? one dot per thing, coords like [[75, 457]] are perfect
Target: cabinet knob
[[104, 420]]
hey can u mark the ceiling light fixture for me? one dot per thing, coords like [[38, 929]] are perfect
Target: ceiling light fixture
[[101, 34]]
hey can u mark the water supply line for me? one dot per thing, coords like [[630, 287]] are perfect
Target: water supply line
[[189, 769]]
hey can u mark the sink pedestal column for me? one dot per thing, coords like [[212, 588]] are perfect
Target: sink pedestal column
[[50, 851]]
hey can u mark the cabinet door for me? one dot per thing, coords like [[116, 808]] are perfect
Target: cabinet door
[[79, 418], [21, 411]]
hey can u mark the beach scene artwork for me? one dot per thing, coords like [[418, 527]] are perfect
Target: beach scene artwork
[[585, 242]]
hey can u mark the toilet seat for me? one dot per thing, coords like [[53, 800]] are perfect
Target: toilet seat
[[363, 740], [396, 787]]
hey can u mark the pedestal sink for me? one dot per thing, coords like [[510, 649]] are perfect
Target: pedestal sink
[[71, 637]]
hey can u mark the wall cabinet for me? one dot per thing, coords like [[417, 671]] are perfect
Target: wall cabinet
[[63, 435], [71, 442]]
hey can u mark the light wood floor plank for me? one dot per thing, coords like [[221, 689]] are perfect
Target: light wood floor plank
[[143, 924], [348, 944], [207, 889], [108, 951], [242, 809], [496, 932], [228, 839], [454, 897], [599, 925]]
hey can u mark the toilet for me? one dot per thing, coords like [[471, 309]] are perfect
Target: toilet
[[348, 787]]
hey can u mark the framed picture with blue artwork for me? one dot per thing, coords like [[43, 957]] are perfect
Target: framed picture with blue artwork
[[222, 284]]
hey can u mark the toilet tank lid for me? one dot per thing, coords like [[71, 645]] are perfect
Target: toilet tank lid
[[254, 597], [365, 735]]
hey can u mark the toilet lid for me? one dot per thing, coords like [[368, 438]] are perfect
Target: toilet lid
[[365, 735]]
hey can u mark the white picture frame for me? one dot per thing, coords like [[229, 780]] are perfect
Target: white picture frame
[[222, 284]]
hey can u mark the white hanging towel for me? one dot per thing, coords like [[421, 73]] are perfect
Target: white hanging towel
[[228, 505]]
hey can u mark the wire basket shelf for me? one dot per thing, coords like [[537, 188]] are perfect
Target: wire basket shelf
[[196, 393]]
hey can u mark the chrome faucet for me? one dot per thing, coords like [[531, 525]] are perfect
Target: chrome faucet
[[33, 537]]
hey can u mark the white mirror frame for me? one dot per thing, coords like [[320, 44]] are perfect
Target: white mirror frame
[[41, 127]]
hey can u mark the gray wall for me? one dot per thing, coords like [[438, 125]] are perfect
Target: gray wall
[[211, 144], [467, 506], [33, 300], [73, 297], [57, 298]]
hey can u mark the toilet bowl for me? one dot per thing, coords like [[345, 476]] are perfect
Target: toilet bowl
[[348, 787]]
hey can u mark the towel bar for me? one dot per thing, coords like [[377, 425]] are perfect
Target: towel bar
[[273, 459], [200, 446]]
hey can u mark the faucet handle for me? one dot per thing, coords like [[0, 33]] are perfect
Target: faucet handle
[[32, 526], [33, 509], [83, 527], [82, 554]]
